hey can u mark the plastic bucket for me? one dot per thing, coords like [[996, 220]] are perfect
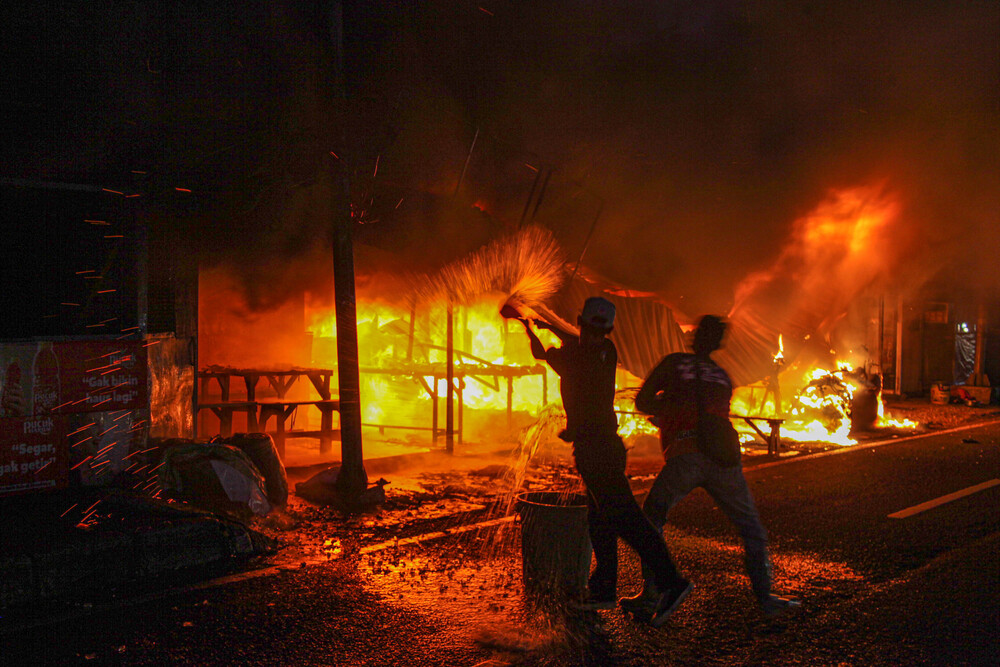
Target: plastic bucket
[[940, 393], [555, 543]]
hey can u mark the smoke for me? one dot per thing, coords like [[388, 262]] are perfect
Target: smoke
[[700, 130], [707, 129], [854, 240]]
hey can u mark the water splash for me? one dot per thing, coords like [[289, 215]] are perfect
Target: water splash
[[526, 267]]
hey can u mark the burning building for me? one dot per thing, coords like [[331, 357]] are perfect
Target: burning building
[[833, 196]]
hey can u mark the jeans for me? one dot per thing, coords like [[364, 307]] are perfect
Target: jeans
[[613, 512], [727, 486]]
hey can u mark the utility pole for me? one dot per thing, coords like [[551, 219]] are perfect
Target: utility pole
[[352, 480]]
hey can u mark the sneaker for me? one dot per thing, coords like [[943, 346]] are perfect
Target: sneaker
[[669, 602], [773, 605], [643, 604]]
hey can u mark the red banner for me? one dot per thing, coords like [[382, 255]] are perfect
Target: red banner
[[72, 376], [82, 400], [33, 454]]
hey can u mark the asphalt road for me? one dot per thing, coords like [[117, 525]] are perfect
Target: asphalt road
[[920, 589]]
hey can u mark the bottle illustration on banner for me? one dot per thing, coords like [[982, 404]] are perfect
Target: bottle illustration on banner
[[12, 400], [46, 379]]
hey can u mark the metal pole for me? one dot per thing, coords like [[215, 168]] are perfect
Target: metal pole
[[978, 379], [465, 167], [881, 336], [586, 242], [898, 384]]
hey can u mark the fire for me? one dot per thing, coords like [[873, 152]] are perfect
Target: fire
[[402, 352], [826, 407]]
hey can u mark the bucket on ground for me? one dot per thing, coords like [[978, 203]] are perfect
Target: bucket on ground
[[940, 393], [555, 543]]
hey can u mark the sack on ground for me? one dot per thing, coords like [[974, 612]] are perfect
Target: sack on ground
[[718, 440]]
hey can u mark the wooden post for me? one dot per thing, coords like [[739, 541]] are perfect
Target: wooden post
[[434, 412], [413, 319], [449, 419], [352, 480]]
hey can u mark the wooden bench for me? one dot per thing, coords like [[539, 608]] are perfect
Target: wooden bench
[[224, 411], [773, 438], [282, 409]]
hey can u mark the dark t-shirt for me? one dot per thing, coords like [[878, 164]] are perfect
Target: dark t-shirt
[[587, 386], [671, 394]]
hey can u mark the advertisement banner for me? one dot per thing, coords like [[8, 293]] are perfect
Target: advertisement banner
[[72, 376], [70, 406], [33, 454]]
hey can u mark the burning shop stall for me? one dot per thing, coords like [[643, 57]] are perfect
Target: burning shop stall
[[419, 334], [97, 343]]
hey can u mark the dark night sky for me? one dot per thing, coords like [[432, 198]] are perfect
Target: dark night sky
[[705, 127]]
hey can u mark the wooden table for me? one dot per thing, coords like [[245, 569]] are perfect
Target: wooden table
[[772, 438], [260, 410], [281, 380]]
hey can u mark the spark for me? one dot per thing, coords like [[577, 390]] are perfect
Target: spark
[[182, 190], [68, 509], [85, 271], [82, 428], [102, 402], [44, 466], [399, 202], [123, 416], [100, 368], [110, 429], [66, 303], [531, 166], [106, 291], [154, 342], [77, 444], [485, 11], [140, 451], [114, 192], [334, 155], [129, 329], [98, 454], [81, 462], [94, 326]]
